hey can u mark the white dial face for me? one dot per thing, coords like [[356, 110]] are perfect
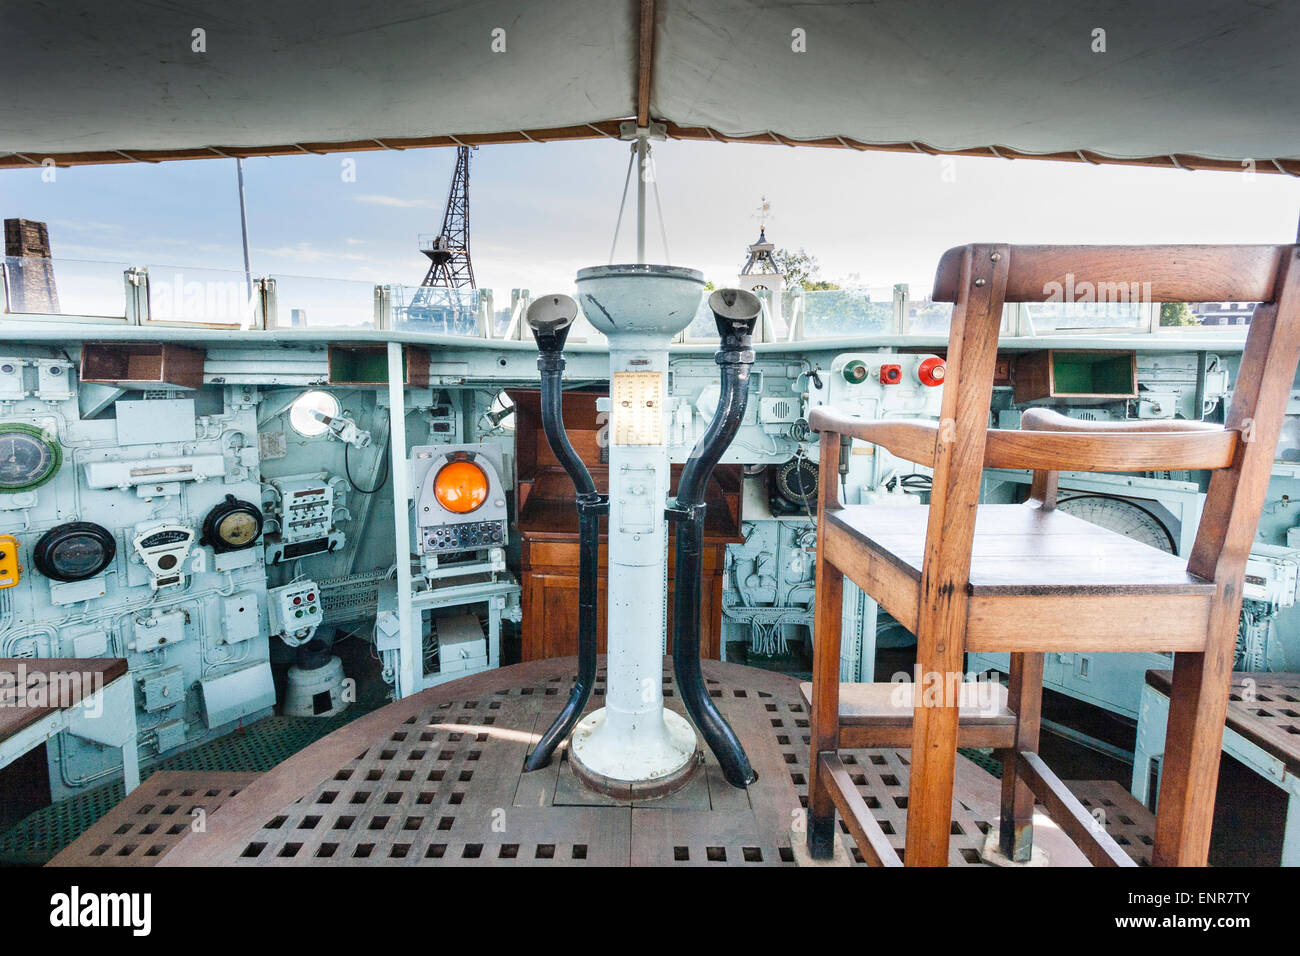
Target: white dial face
[[1121, 516]]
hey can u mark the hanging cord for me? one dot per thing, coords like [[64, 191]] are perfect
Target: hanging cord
[[347, 468], [622, 203], [654, 181]]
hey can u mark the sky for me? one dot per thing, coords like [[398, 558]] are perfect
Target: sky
[[541, 212]]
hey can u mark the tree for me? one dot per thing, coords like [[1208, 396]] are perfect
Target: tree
[[1176, 313], [801, 269]]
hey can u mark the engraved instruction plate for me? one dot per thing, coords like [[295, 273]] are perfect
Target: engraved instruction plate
[[637, 405]]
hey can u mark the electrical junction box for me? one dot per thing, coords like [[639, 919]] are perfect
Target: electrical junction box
[[163, 689], [1272, 575], [294, 609], [88, 640], [461, 643], [10, 569], [74, 592], [155, 421], [241, 617], [237, 695], [12, 388], [53, 380], [160, 629], [169, 735]]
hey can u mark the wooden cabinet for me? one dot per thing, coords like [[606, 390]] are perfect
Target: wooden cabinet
[[548, 528]]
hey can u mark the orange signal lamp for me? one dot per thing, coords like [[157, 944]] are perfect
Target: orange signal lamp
[[460, 487]]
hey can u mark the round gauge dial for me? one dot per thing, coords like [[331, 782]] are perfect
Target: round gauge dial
[[1122, 516], [232, 525], [74, 551], [28, 457], [796, 481]]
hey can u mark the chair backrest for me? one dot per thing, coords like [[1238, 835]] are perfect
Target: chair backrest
[[981, 278]]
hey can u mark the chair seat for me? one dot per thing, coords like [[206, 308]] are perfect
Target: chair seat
[[880, 714], [1029, 567]]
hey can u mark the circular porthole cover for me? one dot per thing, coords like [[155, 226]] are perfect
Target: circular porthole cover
[[301, 418], [29, 457], [74, 551], [232, 525]]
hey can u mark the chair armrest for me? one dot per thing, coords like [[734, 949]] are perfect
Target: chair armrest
[[1049, 441], [1047, 420], [913, 440]]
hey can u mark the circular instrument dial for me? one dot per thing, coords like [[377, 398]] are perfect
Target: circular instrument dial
[[74, 551], [232, 525], [28, 458], [796, 481], [1120, 515]]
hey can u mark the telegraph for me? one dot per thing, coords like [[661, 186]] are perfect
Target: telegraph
[[163, 548]]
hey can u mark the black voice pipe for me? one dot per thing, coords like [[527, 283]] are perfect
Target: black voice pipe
[[735, 312], [550, 318]]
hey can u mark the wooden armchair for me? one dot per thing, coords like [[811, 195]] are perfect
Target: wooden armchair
[[1029, 579]]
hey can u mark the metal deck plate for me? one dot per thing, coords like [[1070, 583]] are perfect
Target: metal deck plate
[[436, 779]]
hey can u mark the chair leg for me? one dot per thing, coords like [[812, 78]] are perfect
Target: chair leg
[[825, 718], [934, 746], [1025, 698], [1198, 707]]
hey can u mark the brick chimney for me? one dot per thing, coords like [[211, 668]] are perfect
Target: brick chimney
[[30, 283]]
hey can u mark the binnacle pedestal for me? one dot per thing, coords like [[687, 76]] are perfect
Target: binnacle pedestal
[[633, 747]]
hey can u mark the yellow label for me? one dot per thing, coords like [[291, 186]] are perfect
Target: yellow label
[[10, 569], [637, 408]]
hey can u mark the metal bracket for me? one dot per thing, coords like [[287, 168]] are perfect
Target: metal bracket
[[628, 131]]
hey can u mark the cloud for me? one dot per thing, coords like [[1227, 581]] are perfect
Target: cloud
[[307, 252], [397, 202]]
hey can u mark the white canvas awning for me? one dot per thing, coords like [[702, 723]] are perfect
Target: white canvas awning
[[1194, 83]]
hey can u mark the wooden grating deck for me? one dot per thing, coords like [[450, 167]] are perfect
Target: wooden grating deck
[[436, 779]]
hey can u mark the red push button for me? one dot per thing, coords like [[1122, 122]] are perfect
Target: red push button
[[932, 371], [891, 374]]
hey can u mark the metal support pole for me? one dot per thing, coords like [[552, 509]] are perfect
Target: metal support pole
[[643, 170], [410, 664]]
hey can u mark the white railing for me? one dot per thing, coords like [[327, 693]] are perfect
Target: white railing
[[64, 290]]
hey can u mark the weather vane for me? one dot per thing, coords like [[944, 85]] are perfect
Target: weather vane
[[764, 213]]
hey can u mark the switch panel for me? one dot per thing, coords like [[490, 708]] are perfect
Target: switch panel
[[10, 569], [294, 609]]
